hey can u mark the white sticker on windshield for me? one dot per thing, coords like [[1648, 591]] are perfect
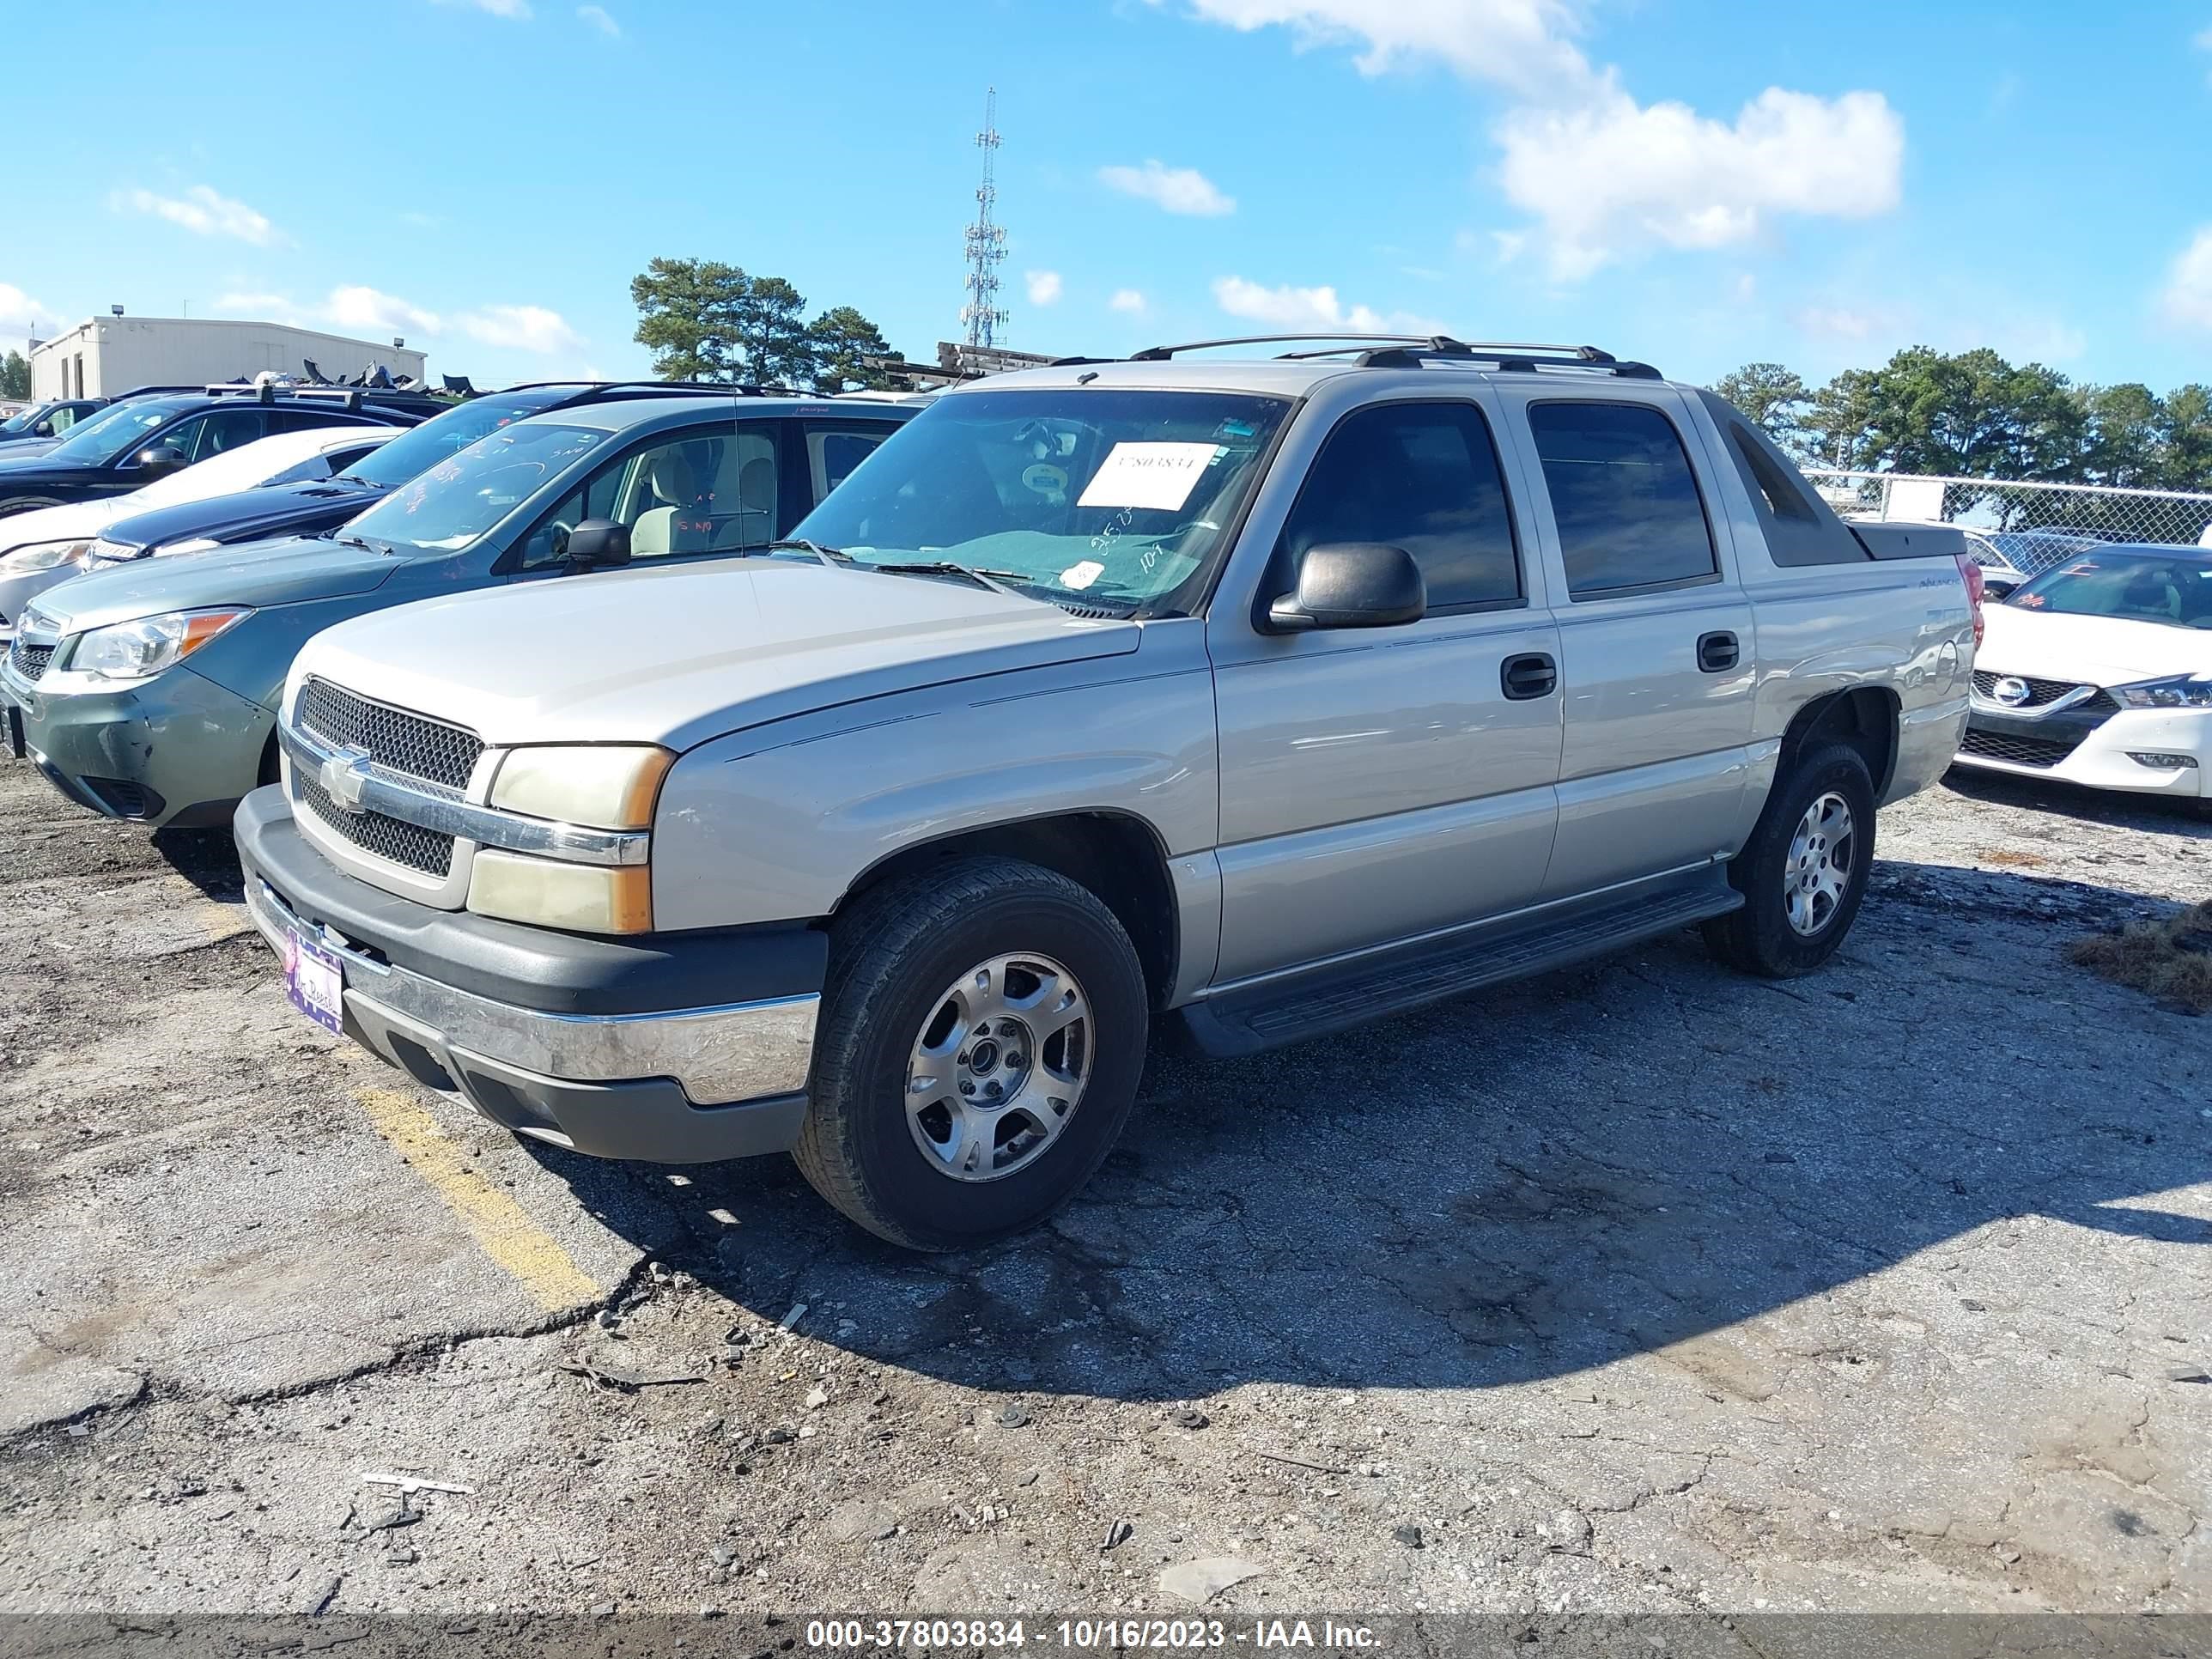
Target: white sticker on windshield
[[1080, 576], [1148, 475]]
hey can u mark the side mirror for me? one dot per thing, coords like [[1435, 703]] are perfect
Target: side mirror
[[161, 459], [1996, 587], [1353, 585], [597, 543], [43, 430]]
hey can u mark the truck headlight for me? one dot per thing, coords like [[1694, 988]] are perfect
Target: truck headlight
[[580, 898], [606, 785], [2182, 692], [139, 650], [42, 556]]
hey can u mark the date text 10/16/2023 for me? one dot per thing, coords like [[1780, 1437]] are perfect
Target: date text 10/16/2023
[[1086, 1635]]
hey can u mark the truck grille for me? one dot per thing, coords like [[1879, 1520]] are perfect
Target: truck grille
[[412, 745], [2039, 692], [404, 844], [2019, 751], [29, 660]]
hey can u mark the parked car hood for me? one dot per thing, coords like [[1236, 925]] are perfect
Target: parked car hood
[[25, 449], [283, 571], [680, 655], [2088, 650], [249, 514], [63, 523]]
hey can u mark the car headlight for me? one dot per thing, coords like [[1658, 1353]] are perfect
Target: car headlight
[[139, 650], [194, 544], [580, 898], [607, 786], [2182, 692], [42, 556]]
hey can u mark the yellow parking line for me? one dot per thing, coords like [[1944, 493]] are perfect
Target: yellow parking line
[[533, 1256]]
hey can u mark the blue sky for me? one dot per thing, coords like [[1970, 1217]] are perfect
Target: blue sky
[[1694, 182]]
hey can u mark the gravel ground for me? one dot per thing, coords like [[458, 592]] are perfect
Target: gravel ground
[[1642, 1287]]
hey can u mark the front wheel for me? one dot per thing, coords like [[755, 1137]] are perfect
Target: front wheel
[[1804, 871], [982, 1037]]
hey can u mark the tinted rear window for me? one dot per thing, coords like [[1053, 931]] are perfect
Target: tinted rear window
[[1622, 496]]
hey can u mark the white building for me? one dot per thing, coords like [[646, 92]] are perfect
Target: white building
[[103, 355]]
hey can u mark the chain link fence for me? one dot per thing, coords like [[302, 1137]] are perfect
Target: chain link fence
[[2029, 526]]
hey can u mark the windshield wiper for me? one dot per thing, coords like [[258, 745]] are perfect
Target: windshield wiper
[[996, 580], [832, 557], [366, 545]]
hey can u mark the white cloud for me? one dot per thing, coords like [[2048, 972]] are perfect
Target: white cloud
[[18, 313], [1602, 177], [1606, 180], [1517, 44], [1302, 308], [521, 328], [1127, 299], [1176, 189], [2187, 299], [365, 309], [203, 210], [1043, 286], [597, 18]]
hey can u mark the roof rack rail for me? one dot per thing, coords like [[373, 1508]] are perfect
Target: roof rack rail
[[148, 391], [1509, 357], [1414, 350], [1160, 354]]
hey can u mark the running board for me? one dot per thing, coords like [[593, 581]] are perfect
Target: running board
[[1342, 994]]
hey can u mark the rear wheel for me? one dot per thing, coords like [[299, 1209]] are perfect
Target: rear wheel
[[1804, 871], [983, 1034]]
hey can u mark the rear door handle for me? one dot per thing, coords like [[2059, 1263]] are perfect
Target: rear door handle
[[1717, 653], [1532, 674]]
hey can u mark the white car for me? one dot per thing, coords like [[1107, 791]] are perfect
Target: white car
[[49, 544], [2098, 671]]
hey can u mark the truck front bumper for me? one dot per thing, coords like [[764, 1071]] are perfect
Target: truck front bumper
[[671, 1049]]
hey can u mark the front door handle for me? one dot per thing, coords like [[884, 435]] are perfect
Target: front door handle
[[1532, 674], [1717, 653]]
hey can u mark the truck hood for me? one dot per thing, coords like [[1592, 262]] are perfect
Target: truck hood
[[2088, 650], [680, 655], [285, 571]]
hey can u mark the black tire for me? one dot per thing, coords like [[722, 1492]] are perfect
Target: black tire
[[1760, 938], [15, 504], [891, 960]]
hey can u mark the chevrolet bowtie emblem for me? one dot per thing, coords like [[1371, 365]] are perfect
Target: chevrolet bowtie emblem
[[345, 776]]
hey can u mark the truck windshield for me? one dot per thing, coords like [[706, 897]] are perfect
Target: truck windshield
[[420, 449], [1108, 496], [447, 508], [2129, 583], [112, 434]]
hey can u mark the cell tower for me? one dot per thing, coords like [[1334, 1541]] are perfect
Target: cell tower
[[987, 242]]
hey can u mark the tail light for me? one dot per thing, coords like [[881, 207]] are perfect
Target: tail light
[[1975, 590]]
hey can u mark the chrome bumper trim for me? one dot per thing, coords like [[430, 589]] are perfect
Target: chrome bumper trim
[[719, 1056], [374, 788]]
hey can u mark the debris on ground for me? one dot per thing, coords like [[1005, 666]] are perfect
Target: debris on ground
[[1201, 1580], [2170, 959]]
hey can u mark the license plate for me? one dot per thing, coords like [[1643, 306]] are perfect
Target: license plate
[[315, 979]]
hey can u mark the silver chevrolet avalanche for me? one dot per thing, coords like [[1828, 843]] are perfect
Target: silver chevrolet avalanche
[[1262, 697]]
